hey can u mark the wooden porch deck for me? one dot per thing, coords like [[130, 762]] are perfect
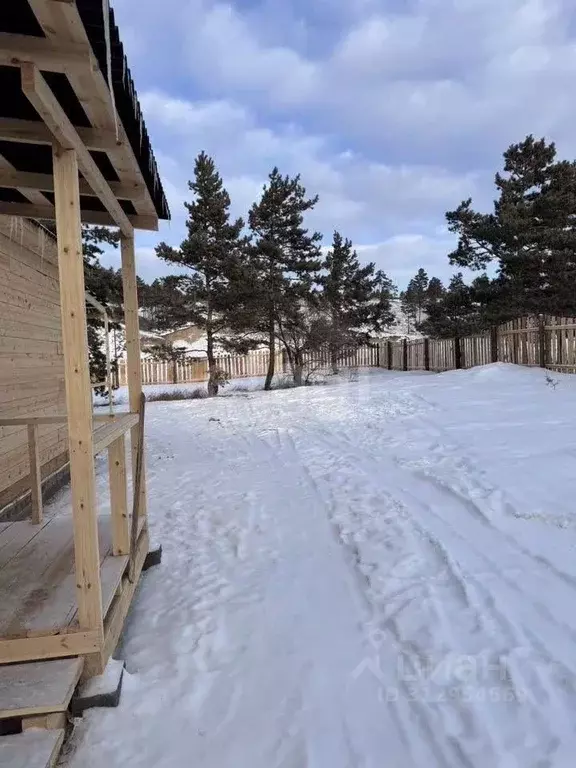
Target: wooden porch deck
[[37, 581]]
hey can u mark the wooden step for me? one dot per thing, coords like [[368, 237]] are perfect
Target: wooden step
[[38, 688], [31, 749]]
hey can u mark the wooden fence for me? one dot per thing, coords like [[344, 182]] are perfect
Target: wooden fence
[[254, 364], [545, 341], [548, 342]]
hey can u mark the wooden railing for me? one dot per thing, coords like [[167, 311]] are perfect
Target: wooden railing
[[108, 433]]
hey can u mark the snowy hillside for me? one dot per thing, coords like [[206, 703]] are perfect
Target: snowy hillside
[[404, 327]]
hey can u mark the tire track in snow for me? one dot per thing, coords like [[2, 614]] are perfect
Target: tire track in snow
[[407, 706], [510, 632]]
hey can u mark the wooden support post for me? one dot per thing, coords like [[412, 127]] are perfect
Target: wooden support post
[[378, 355], [404, 354], [35, 474], [426, 354], [390, 352], [137, 480], [118, 497], [78, 390], [494, 344], [457, 353], [542, 341], [133, 364]]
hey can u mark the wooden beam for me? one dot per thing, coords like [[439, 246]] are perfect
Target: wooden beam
[[78, 392], [16, 421], [118, 496], [108, 433], [133, 366], [16, 50], [45, 103], [31, 211], [96, 663], [35, 474], [44, 182], [35, 132], [49, 722], [32, 195], [49, 646]]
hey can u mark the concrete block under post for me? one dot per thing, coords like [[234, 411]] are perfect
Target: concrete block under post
[[153, 557], [101, 691]]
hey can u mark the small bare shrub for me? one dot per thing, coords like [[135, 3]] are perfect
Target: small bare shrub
[[550, 382], [177, 394]]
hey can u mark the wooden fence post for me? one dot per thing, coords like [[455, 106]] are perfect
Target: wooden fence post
[[542, 340], [494, 344], [457, 353], [390, 353], [378, 355], [426, 354], [405, 354], [174, 371]]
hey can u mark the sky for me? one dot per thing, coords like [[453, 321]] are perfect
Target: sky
[[392, 111]]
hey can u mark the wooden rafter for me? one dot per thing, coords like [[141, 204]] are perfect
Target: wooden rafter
[[13, 179], [61, 22], [35, 132], [17, 49], [32, 195], [31, 211], [46, 104]]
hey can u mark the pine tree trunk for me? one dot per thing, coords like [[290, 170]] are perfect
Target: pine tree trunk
[[298, 369], [334, 343], [334, 358], [272, 351], [212, 368]]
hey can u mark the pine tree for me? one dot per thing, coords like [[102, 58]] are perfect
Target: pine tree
[[356, 298], [284, 261], [168, 302], [530, 236], [434, 292], [415, 296], [209, 253], [454, 314]]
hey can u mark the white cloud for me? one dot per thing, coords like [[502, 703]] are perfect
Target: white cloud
[[447, 72], [361, 197], [392, 111], [223, 47]]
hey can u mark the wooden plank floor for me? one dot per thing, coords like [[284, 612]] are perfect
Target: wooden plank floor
[[38, 687], [37, 584], [31, 749]]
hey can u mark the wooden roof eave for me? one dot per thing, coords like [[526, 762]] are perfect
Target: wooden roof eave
[[66, 49]]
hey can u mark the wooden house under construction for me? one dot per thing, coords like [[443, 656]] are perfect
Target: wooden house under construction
[[73, 150]]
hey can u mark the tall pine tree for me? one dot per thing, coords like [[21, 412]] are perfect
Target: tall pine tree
[[284, 261], [210, 253], [530, 236], [454, 314], [415, 296], [356, 298]]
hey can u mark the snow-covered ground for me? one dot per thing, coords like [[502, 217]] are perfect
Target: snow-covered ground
[[372, 574]]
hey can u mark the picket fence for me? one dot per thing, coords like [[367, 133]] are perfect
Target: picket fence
[[254, 364], [545, 341]]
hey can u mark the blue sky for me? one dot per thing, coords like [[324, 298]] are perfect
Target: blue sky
[[393, 111]]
